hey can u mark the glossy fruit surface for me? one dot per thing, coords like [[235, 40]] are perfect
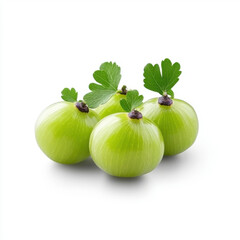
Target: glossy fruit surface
[[62, 132], [110, 107], [178, 123], [126, 147]]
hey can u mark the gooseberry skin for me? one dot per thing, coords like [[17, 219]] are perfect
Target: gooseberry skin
[[125, 147], [62, 132], [110, 107], [178, 123]]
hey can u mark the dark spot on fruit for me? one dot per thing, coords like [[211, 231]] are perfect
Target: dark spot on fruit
[[82, 107], [135, 114], [165, 100]]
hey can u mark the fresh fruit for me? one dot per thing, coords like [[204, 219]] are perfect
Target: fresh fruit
[[127, 144], [176, 119], [63, 129], [105, 98], [178, 123]]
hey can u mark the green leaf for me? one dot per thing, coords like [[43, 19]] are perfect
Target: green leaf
[[171, 93], [170, 74], [102, 78], [69, 95], [162, 82], [133, 100], [95, 98], [114, 73], [153, 78], [108, 78]]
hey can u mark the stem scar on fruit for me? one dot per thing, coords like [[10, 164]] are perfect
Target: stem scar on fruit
[[82, 106]]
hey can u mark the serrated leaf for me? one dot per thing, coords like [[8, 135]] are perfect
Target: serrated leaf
[[69, 95], [170, 74], [133, 100], [96, 98], [153, 78], [108, 78], [102, 78], [114, 73], [161, 82], [125, 105]]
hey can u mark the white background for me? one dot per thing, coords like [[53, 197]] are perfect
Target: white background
[[49, 45]]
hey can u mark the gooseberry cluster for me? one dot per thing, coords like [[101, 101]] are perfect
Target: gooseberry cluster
[[124, 136]]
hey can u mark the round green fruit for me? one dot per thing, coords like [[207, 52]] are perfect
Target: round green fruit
[[110, 107], [177, 121], [124, 146], [63, 130]]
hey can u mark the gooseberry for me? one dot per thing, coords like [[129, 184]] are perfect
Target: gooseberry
[[176, 119], [127, 144], [63, 130]]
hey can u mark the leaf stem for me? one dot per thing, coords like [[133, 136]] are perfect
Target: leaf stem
[[124, 90]]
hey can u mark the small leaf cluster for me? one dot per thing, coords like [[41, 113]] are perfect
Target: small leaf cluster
[[162, 82], [133, 100], [109, 75], [69, 95], [108, 78]]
